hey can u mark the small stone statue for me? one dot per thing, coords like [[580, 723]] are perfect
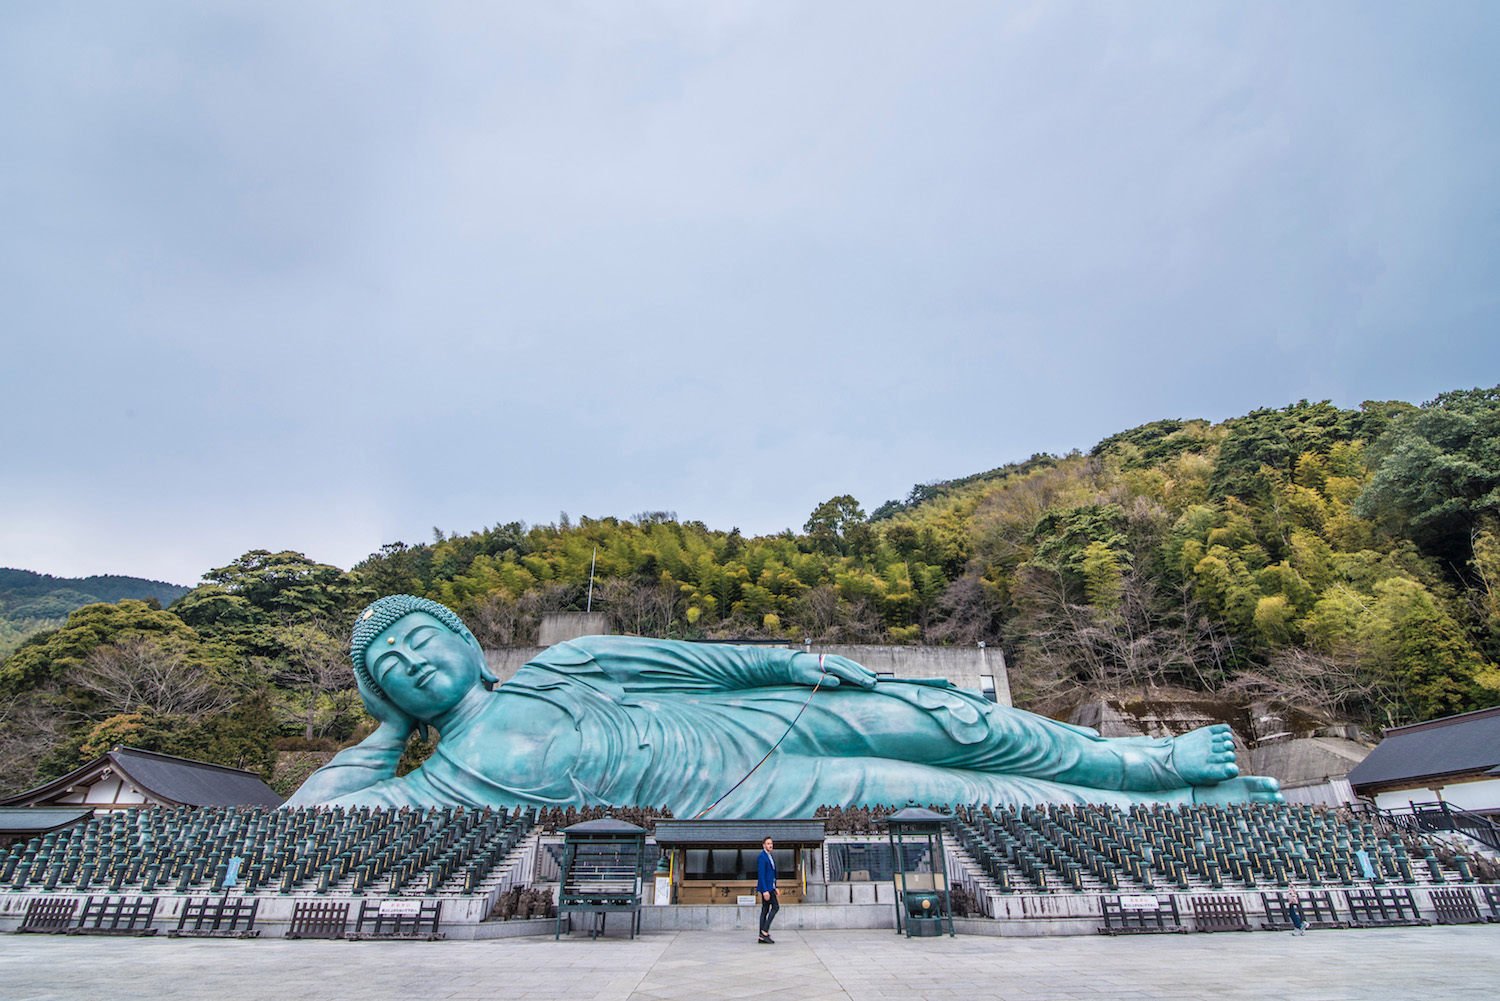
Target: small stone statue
[[623, 720]]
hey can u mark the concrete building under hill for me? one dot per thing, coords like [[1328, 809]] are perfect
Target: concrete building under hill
[[976, 667]]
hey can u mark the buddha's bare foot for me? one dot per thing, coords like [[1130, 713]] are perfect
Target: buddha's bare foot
[[1201, 757], [1205, 756], [1250, 789]]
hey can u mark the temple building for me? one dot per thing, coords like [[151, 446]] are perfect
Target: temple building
[[126, 776], [1455, 759]]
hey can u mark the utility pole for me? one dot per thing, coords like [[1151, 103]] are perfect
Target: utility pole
[[592, 560]]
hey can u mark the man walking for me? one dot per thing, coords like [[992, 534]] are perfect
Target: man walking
[[765, 885]]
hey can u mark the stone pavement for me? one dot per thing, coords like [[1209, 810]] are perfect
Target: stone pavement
[[1358, 965]]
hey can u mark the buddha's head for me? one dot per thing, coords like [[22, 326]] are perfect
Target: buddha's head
[[416, 654]]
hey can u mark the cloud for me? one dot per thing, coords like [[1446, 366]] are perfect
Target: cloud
[[322, 277]]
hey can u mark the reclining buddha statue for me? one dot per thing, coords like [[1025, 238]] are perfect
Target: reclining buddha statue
[[616, 720]]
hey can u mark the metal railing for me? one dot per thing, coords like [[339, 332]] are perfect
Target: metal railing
[[1442, 816]]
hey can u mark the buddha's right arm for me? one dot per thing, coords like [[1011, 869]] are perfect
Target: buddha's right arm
[[639, 664], [355, 768]]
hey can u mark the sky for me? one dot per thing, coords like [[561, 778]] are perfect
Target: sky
[[325, 276]]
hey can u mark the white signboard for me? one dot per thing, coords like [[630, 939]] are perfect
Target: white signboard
[[663, 891], [405, 908], [1138, 902], [746, 899]]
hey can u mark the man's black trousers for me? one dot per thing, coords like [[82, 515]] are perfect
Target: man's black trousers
[[768, 909]]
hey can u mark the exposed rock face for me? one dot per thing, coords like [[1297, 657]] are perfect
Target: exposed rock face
[[1254, 723], [1299, 760], [1118, 718]]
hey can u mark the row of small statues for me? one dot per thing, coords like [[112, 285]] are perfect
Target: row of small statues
[[861, 819], [524, 902], [553, 820], [964, 903], [1484, 869]]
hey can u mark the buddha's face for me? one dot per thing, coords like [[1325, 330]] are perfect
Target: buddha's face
[[423, 666]]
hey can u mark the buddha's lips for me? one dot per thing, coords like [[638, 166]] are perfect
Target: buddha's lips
[[425, 677]]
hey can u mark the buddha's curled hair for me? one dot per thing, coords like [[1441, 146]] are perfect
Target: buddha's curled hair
[[379, 615]]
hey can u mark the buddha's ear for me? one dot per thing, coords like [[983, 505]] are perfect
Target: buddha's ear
[[422, 731], [489, 677]]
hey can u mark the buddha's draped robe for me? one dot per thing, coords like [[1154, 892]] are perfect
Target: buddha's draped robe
[[659, 723]]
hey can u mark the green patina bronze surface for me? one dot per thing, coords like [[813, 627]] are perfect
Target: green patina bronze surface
[[614, 720]]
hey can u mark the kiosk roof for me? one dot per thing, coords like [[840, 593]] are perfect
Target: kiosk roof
[[738, 832]]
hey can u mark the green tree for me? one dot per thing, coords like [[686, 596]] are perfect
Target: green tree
[[1437, 473], [249, 601], [242, 737], [1276, 438], [1101, 575], [143, 673], [830, 523], [52, 655], [1156, 443], [1436, 667], [314, 666], [1066, 538]]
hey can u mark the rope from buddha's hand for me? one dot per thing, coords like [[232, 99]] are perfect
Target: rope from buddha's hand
[[822, 673]]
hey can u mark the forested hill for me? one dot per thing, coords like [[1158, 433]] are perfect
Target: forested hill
[[32, 601], [1341, 561]]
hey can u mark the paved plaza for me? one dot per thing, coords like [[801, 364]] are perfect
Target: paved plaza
[[1404, 964]]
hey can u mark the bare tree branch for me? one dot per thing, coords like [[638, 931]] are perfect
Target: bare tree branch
[[142, 673]]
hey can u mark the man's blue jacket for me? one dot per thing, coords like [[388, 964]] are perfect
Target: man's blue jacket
[[765, 875]]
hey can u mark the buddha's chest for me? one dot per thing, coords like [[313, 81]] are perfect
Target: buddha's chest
[[526, 745]]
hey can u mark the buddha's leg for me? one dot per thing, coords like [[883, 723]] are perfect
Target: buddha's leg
[[792, 785], [949, 728]]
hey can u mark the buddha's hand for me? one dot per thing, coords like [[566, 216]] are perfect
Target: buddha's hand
[[833, 671], [394, 721]]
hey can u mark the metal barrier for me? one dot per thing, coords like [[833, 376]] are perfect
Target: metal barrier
[[1369, 908], [1456, 907], [226, 917], [399, 919], [1318, 910], [1128, 916], [116, 916], [316, 919], [1219, 914], [49, 915]]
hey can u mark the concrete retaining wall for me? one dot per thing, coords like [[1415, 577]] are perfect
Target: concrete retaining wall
[[559, 627], [964, 666], [1016, 915]]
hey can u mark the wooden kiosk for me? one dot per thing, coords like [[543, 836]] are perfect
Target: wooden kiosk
[[714, 861]]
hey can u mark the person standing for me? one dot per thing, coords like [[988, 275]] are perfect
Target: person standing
[[765, 885]]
